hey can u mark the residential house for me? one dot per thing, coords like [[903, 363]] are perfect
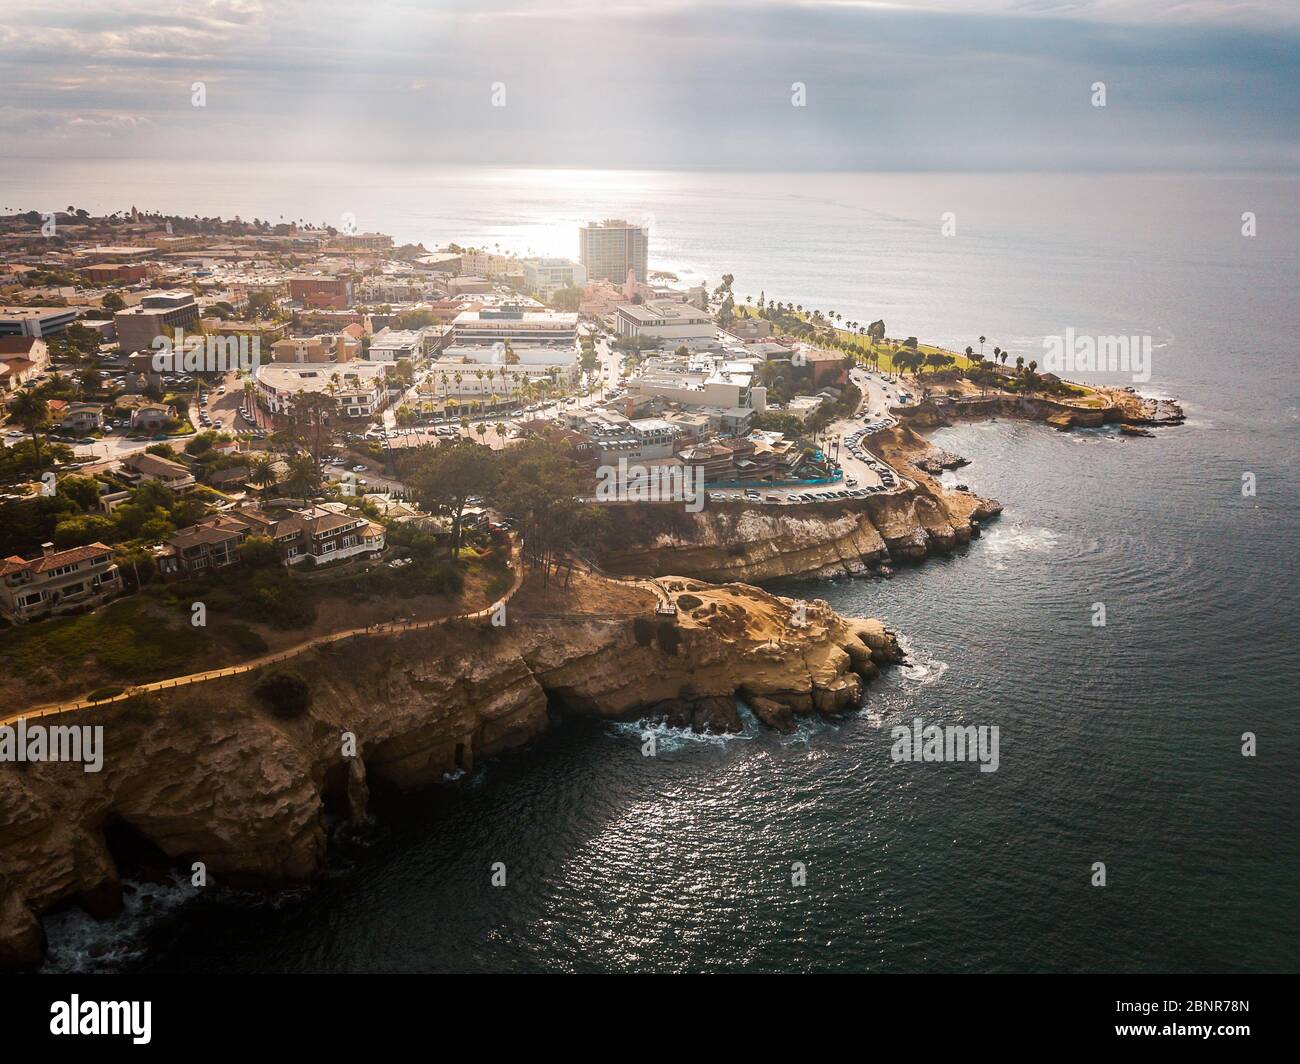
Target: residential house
[[57, 582], [152, 417], [83, 418], [142, 467], [324, 535], [213, 543]]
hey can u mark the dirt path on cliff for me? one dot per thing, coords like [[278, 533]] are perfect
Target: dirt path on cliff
[[385, 628]]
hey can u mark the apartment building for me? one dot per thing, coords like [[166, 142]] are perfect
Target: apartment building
[[609, 250], [57, 582]]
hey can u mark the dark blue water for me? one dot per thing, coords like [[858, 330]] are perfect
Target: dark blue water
[[1119, 744]]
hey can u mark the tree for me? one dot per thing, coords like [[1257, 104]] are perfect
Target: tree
[[442, 478], [113, 302], [311, 422], [261, 472], [539, 488], [303, 477], [30, 410]]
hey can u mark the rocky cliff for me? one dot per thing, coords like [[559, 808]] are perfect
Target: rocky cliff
[[755, 543], [208, 773]]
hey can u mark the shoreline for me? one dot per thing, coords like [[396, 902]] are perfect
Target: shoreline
[[207, 773], [735, 540]]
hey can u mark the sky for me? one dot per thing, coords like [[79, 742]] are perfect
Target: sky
[[950, 85]]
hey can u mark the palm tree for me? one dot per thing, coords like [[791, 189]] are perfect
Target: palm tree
[[981, 345], [261, 472], [30, 410]]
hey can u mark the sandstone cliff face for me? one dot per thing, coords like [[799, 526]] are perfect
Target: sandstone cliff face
[[756, 543], [205, 773]]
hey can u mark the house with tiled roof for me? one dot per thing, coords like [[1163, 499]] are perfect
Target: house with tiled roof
[[82, 418], [143, 466], [15, 372], [62, 581], [322, 535]]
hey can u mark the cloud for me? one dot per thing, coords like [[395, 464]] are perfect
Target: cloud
[[992, 84]]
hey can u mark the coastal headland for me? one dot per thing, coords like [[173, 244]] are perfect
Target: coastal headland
[[735, 540], [209, 774]]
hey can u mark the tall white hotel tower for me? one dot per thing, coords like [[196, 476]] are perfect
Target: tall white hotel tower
[[610, 248]]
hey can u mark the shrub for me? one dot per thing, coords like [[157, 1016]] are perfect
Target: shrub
[[688, 602], [285, 694], [103, 693], [246, 640]]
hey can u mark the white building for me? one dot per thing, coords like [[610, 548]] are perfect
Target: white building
[[455, 378], [393, 345], [699, 381], [515, 325], [359, 389], [611, 248], [663, 320], [546, 276]]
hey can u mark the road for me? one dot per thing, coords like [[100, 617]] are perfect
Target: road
[[865, 473]]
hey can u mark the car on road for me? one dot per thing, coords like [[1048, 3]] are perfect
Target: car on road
[[359, 468]]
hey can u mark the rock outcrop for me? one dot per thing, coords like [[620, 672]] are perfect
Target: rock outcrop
[[207, 773], [756, 543]]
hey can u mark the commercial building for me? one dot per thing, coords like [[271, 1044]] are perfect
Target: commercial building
[[700, 381], [36, 321], [119, 272], [455, 377], [158, 314], [359, 389], [321, 293], [663, 320], [609, 250], [413, 345], [515, 325], [547, 276], [57, 582], [640, 440]]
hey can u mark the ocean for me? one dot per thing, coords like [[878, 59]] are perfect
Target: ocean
[[1119, 744]]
